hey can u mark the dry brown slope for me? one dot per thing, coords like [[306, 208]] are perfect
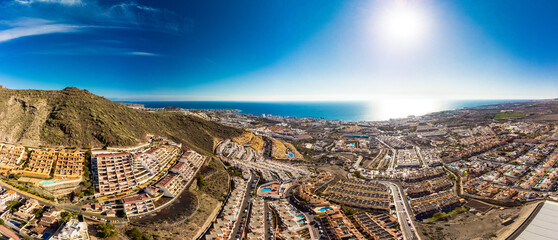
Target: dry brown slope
[[74, 117]]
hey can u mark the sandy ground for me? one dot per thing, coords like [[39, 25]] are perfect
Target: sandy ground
[[336, 171], [467, 225]]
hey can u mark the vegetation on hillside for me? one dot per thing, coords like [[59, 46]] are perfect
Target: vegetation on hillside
[[74, 117], [106, 230], [509, 115]]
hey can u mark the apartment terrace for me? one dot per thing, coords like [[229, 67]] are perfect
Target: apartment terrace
[[193, 157], [257, 220], [138, 204], [40, 163], [339, 227], [171, 185], [223, 225], [306, 192], [187, 166], [423, 174], [373, 228], [10, 156], [164, 154], [113, 172], [426, 187], [147, 162], [428, 205], [362, 194], [432, 157], [69, 165], [292, 220]]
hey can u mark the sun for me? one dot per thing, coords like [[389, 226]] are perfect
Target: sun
[[402, 24]]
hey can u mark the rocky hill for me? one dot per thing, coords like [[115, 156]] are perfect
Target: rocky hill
[[78, 118]]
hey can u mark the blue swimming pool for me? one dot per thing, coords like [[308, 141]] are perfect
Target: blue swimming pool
[[265, 190], [323, 209], [48, 182], [15, 223], [46, 236]]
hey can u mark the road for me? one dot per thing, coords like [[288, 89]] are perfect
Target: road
[[357, 163], [457, 178], [403, 211], [417, 149], [377, 158], [392, 159]]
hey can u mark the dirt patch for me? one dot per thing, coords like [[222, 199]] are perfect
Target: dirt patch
[[189, 215], [478, 205], [466, 226], [178, 211]]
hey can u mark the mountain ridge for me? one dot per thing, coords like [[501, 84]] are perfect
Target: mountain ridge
[[74, 117]]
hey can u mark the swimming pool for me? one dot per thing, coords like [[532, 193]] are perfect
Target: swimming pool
[[323, 209], [48, 182], [46, 235], [265, 190], [16, 223]]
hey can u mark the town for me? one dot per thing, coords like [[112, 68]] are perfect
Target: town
[[296, 178]]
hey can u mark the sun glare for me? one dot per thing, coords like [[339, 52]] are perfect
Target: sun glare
[[402, 25], [387, 108]]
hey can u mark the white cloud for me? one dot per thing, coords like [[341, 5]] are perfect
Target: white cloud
[[63, 2], [144, 54], [30, 27]]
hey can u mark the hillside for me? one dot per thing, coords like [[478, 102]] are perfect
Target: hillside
[[74, 117]]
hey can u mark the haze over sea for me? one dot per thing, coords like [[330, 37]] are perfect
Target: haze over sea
[[347, 111]]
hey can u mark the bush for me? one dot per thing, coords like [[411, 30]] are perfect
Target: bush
[[136, 234], [106, 230]]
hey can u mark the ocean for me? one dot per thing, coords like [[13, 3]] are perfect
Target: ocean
[[347, 111]]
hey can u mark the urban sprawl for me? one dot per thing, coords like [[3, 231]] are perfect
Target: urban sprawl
[[487, 168]]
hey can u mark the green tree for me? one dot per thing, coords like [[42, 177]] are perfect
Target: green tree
[[134, 234], [39, 213], [106, 230]]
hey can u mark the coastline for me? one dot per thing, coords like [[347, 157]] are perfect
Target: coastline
[[337, 111]]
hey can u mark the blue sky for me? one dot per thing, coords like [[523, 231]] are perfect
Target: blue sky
[[282, 49]]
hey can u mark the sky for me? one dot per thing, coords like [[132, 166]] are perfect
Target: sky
[[283, 50]]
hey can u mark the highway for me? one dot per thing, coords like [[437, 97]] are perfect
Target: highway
[[403, 211]]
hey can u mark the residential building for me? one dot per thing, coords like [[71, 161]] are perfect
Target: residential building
[[5, 197], [10, 156], [69, 165], [138, 204], [113, 172], [40, 163], [171, 185], [72, 230]]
